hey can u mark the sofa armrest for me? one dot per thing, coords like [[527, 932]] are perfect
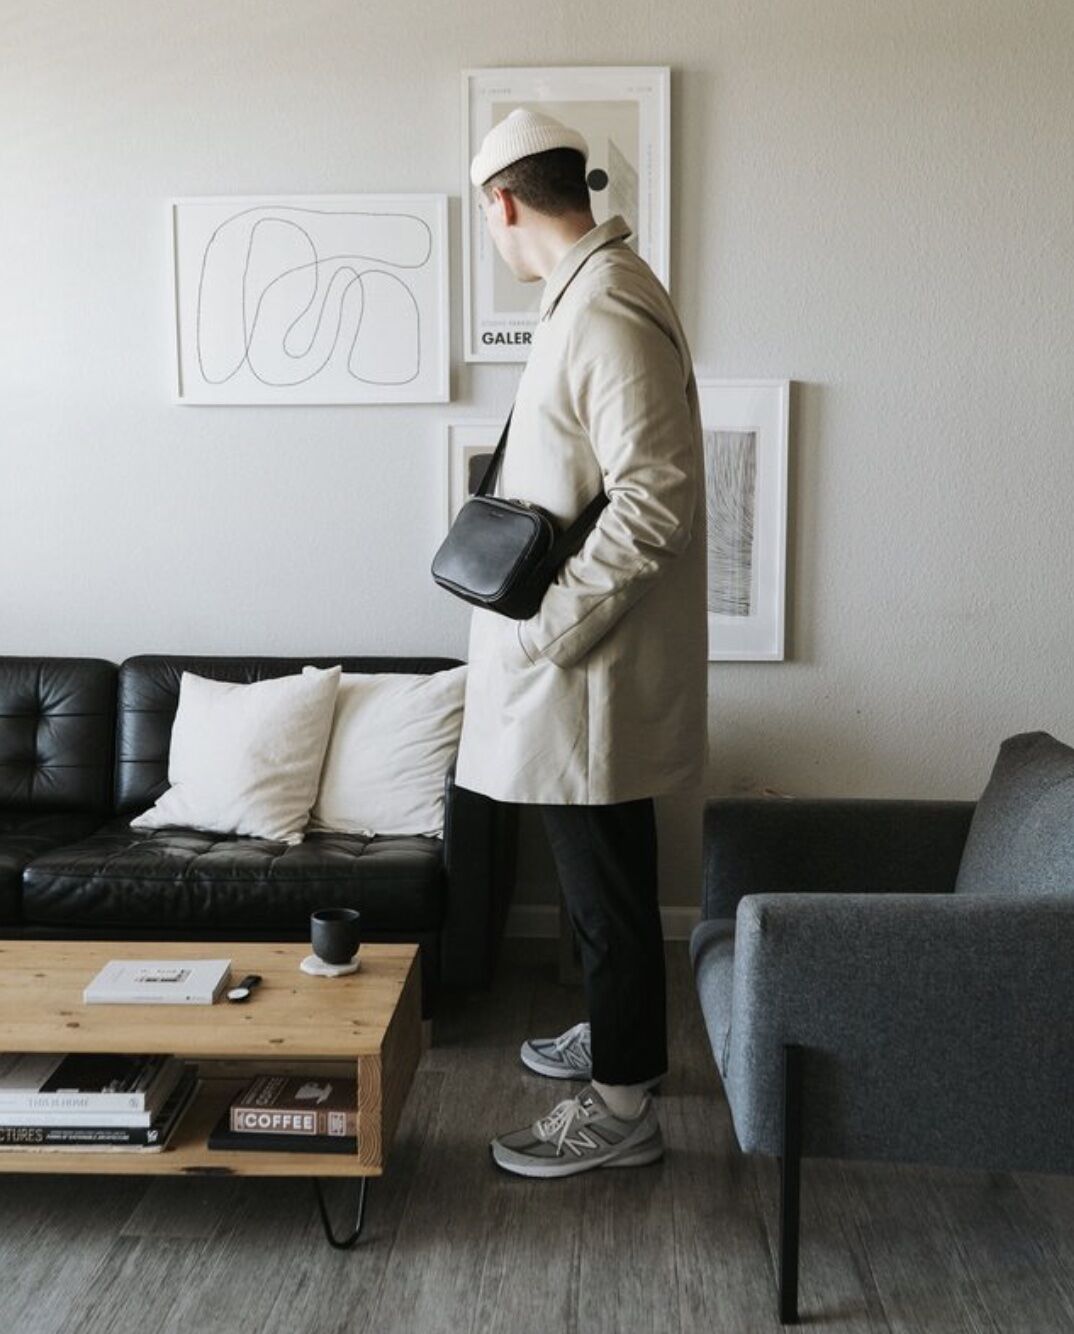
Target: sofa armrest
[[480, 858], [936, 1027], [774, 845]]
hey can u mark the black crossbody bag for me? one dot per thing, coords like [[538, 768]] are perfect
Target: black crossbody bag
[[502, 554]]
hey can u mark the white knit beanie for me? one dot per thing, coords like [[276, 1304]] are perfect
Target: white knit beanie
[[518, 135]]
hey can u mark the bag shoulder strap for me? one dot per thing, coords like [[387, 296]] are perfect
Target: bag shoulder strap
[[572, 536], [489, 475]]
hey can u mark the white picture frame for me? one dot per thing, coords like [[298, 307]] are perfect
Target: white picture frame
[[624, 113], [468, 449], [348, 302], [746, 433]]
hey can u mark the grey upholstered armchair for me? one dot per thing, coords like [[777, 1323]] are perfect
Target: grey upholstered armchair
[[859, 1006]]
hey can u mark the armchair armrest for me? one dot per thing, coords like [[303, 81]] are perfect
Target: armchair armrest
[[774, 845], [480, 856], [935, 1027]]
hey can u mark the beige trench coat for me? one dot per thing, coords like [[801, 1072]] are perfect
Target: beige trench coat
[[601, 695]]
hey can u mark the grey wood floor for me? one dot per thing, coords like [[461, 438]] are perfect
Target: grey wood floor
[[452, 1244]]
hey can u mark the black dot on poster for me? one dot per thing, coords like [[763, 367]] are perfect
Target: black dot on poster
[[597, 179]]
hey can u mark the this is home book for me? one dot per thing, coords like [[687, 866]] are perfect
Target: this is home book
[[142, 1139], [45, 1085], [158, 982]]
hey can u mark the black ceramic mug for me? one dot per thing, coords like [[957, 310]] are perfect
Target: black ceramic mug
[[334, 934]]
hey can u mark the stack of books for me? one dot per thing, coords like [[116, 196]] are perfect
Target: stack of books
[[295, 1113], [92, 1102]]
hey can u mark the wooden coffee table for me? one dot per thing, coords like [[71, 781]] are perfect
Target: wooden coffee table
[[366, 1024]]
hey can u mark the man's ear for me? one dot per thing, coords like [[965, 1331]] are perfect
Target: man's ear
[[505, 201]]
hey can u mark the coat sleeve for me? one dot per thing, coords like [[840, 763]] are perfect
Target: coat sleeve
[[628, 387]]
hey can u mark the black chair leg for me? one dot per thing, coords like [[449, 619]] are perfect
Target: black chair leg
[[790, 1173]]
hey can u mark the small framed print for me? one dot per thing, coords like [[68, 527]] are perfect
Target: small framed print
[[470, 447], [623, 113], [745, 429]]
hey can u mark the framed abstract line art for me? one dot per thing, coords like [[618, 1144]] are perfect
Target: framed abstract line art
[[470, 447], [623, 113], [745, 432], [311, 299]]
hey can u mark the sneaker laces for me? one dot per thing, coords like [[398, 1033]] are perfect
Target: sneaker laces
[[561, 1118], [574, 1044]]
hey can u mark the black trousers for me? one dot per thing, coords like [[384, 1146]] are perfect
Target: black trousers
[[606, 860]]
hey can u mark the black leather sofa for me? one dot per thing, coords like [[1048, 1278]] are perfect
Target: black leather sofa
[[84, 747]]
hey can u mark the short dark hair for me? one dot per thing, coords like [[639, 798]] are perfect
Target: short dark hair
[[551, 182]]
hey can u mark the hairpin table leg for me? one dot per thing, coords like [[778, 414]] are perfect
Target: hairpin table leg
[[342, 1243]]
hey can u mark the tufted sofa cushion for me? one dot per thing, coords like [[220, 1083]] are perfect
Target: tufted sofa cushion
[[183, 878], [57, 718], [25, 835]]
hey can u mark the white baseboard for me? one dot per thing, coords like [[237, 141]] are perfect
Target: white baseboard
[[540, 921]]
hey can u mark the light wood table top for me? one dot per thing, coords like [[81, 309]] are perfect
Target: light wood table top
[[41, 1006]]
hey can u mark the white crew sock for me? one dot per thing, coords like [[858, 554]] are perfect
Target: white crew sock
[[624, 1100]]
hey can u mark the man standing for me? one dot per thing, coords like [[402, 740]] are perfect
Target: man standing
[[597, 702]]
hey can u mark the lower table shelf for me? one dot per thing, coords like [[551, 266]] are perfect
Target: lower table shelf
[[188, 1153]]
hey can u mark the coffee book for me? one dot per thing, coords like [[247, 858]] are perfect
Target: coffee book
[[150, 1138], [249, 1141], [84, 1086], [296, 1105]]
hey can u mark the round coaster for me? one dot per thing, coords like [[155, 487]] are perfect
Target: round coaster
[[318, 968]]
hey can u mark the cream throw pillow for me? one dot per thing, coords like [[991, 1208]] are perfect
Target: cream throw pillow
[[246, 758], [393, 738]]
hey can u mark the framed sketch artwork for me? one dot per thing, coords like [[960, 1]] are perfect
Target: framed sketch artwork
[[623, 113], [745, 424], [470, 447], [311, 299]]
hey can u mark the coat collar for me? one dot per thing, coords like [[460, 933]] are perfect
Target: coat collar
[[615, 228]]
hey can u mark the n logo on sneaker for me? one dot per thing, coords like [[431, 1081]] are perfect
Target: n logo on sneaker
[[583, 1140]]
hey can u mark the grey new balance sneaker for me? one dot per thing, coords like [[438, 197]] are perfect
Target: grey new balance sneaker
[[570, 1056], [578, 1134], [567, 1057]]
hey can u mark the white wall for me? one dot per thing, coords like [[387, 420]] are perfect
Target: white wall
[[875, 200]]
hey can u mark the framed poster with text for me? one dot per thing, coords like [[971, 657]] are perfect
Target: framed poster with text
[[624, 114]]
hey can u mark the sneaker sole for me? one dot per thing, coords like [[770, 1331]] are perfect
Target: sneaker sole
[[636, 1158], [534, 1063]]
